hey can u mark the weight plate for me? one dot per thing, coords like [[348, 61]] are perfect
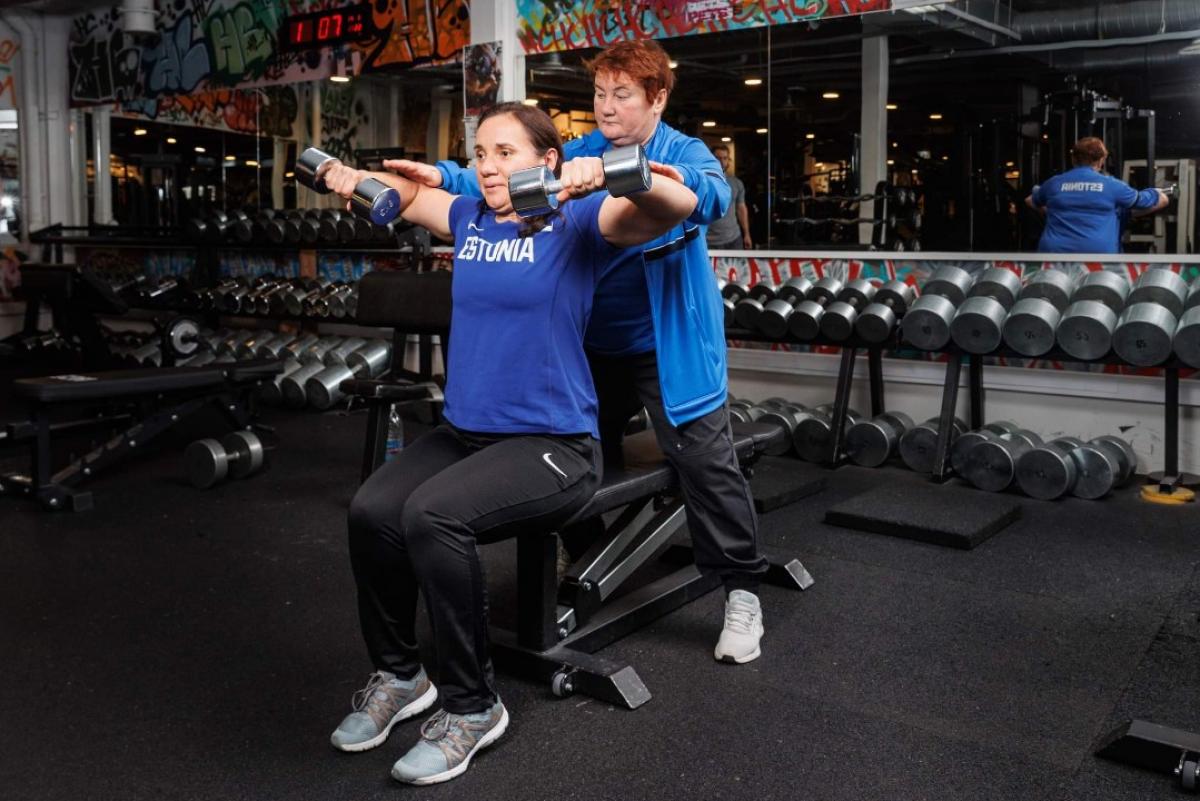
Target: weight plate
[[1054, 286], [206, 463], [1144, 334], [1047, 472], [960, 451], [183, 336], [999, 283], [927, 323], [1085, 331], [773, 322], [978, 326], [1098, 472], [1186, 342], [991, 465], [244, 453], [918, 448], [1031, 326], [950, 282], [1128, 460], [876, 323], [869, 443], [1161, 286], [811, 438], [837, 323], [805, 322], [1104, 286]]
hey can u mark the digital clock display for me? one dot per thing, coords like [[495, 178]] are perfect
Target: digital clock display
[[325, 28]]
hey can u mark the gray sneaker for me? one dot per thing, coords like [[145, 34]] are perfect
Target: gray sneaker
[[384, 702], [447, 744]]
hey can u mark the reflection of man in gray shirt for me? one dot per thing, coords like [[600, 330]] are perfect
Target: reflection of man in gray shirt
[[731, 232]]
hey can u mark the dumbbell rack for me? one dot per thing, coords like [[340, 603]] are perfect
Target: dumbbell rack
[[850, 348], [1171, 478]]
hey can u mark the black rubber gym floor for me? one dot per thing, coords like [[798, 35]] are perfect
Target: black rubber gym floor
[[177, 644]]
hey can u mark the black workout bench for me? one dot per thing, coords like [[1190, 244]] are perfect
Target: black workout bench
[[562, 625], [153, 399]]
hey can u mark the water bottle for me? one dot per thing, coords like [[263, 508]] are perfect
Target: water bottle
[[395, 435]]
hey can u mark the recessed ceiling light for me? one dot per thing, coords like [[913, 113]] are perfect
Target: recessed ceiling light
[[945, 158], [170, 140], [340, 78], [895, 144], [935, 116], [831, 95], [140, 131], [251, 163], [709, 124], [1008, 164], [199, 149], [726, 139], [289, 174], [891, 162], [810, 136], [753, 82], [231, 158], [760, 130], [892, 107]]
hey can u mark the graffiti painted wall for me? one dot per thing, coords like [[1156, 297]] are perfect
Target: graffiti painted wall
[[226, 44], [547, 25], [9, 47], [914, 271]]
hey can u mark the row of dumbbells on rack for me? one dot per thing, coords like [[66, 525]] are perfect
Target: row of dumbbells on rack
[[1089, 318], [265, 295], [291, 227], [994, 458]]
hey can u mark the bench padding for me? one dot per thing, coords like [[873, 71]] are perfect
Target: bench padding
[[73, 387]]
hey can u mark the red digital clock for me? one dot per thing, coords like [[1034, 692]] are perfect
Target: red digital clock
[[325, 28]]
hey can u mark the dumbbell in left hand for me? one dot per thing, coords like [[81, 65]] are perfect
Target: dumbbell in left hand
[[534, 191], [372, 199]]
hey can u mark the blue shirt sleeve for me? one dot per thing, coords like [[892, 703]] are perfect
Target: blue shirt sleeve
[[459, 180], [703, 175], [1124, 195], [1146, 199], [461, 208]]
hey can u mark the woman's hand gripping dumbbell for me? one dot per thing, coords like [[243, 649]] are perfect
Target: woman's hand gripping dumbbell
[[623, 171], [369, 197]]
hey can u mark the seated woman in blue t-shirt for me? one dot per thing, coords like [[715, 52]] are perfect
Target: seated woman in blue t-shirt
[[1084, 207], [519, 450]]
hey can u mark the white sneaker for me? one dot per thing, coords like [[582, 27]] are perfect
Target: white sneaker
[[743, 629]]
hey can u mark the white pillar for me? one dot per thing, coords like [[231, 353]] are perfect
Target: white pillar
[[102, 209], [873, 163], [56, 107], [30, 133], [437, 137]]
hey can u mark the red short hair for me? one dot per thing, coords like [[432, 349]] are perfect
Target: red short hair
[[644, 60], [1088, 150]]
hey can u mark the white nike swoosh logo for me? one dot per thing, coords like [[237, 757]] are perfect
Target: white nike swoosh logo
[[473, 227], [553, 466], [547, 229]]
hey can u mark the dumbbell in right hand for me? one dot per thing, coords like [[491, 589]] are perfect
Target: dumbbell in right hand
[[534, 191], [372, 199]]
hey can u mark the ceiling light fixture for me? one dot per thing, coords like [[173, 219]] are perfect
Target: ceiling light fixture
[[935, 116], [198, 149], [831, 95], [673, 64], [530, 101], [231, 158], [709, 124], [140, 131], [760, 130], [892, 107], [810, 136], [340, 78], [726, 139], [753, 82], [251, 163], [170, 140]]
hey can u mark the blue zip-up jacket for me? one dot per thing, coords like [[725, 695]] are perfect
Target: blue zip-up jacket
[[686, 309]]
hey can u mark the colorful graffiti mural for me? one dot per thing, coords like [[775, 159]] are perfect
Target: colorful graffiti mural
[[752, 269], [547, 25], [223, 44], [267, 110], [8, 83]]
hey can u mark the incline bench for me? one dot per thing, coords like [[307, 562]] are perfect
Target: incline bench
[[561, 625], [158, 399]]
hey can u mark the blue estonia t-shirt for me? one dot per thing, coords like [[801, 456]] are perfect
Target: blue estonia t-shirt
[[1083, 209], [521, 305]]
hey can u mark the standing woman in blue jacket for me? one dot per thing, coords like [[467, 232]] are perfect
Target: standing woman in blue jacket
[[656, 338]]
